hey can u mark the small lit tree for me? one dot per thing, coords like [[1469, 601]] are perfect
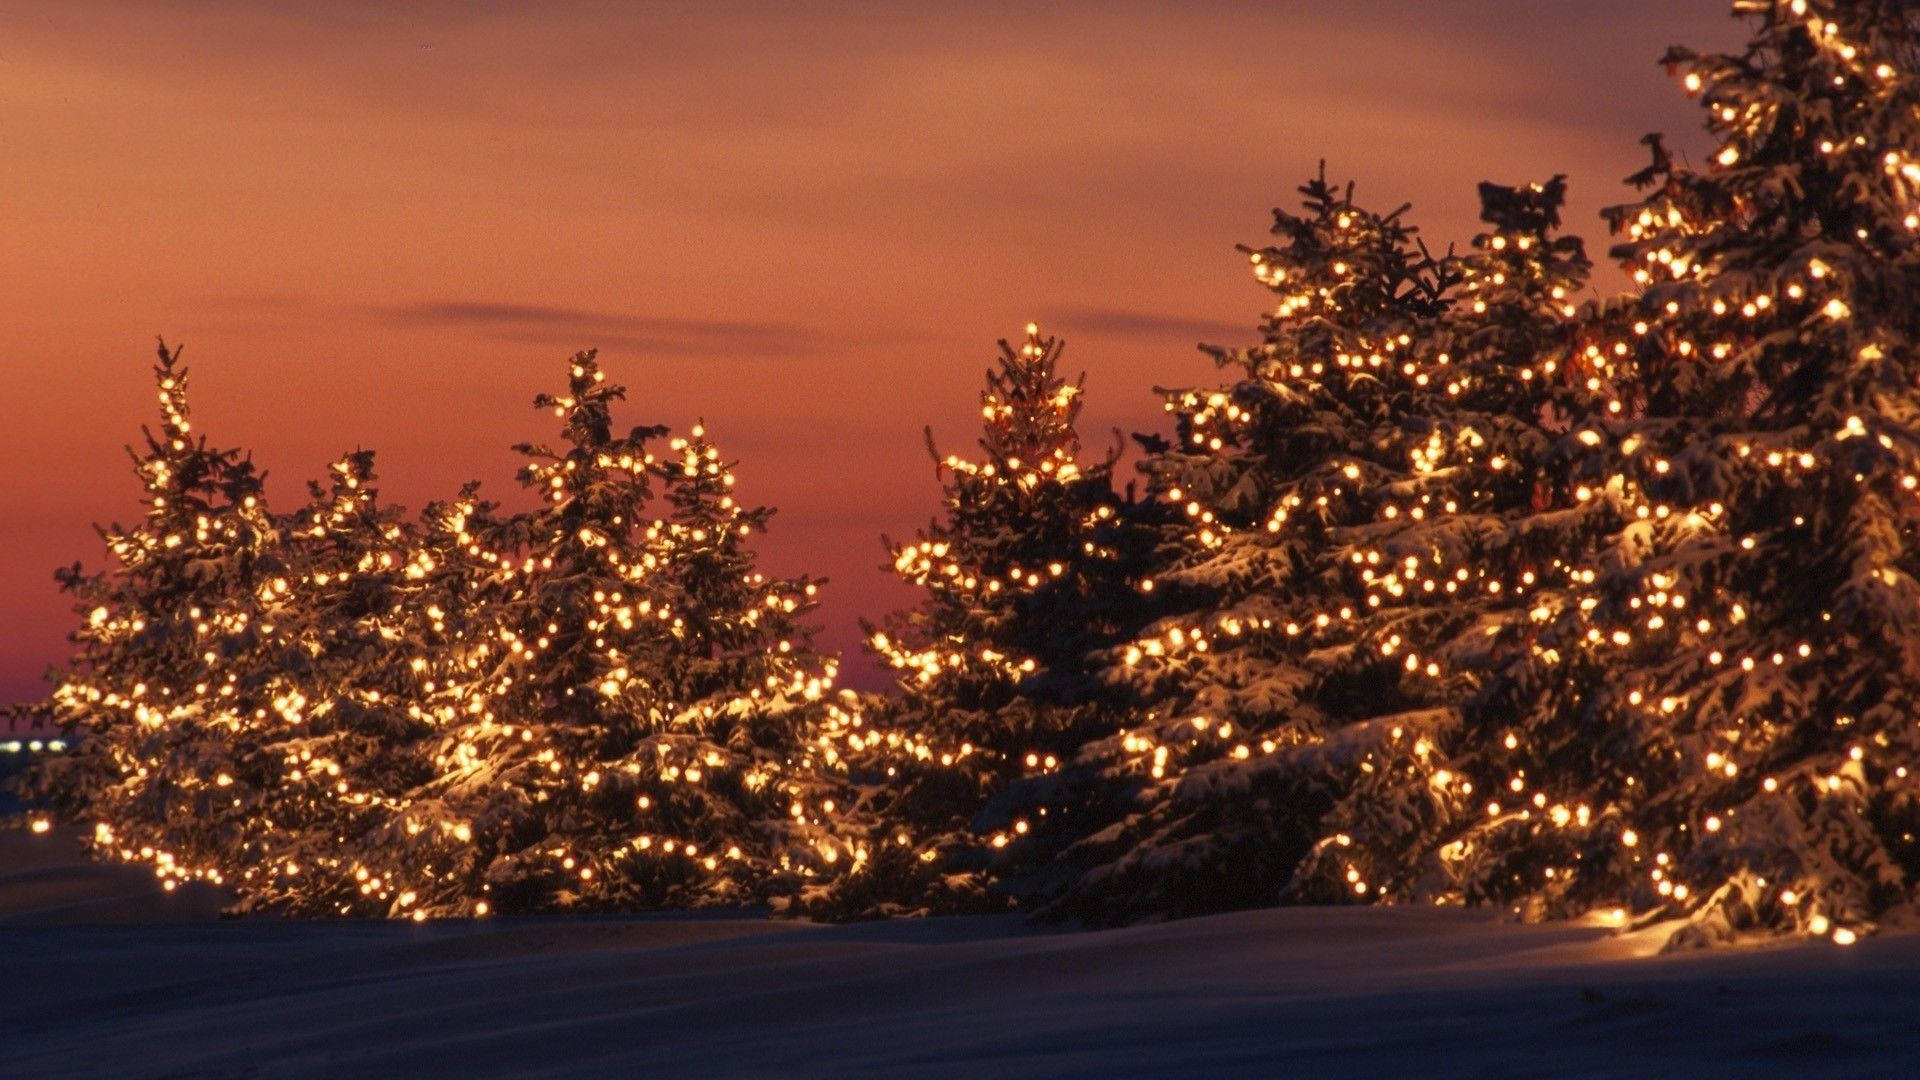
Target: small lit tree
[[741, 663], [341, 735]]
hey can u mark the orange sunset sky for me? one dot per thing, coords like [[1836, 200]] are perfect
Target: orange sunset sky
[[387, 224]]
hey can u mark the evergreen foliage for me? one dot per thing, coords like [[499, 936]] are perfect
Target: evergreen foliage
[[1739, 673], [599, 703], [1457, 590], [342, 736], [1026, 575], [1214, 793], [151, 693], [636, 730], [1472, 549]]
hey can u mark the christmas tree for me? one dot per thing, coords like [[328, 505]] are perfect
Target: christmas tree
[[412, 672], [341, 737], [1723, 714], [1025, 576], [741, 665], [1466, 552], [1260, 696], [638, 723], [158, 683]]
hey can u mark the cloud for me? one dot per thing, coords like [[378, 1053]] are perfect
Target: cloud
[[576, 327], [1119, 322]]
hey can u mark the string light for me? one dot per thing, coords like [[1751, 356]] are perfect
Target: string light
[[348, 783]]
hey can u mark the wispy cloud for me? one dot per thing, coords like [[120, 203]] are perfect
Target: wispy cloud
[[1121, 322], [577, 327]]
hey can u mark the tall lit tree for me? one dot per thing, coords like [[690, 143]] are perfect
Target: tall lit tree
[[1742, 667], [1253, 689], [154, 691], [1465, 553]]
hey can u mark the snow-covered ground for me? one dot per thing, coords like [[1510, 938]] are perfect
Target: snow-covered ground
[[107, 976]]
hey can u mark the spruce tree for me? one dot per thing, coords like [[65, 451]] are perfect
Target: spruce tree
[[609, 752], [405, 840], [340, 738], [766, 722], [1249, 689], [154, 693], [1025, 576], [1740, 666], [1465, 552]]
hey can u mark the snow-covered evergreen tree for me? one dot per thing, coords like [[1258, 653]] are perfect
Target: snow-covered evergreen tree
[[742, 669], [641, 727], [1025, 576], [1726, 711], [396, 839], [1250, 690], [342, 735], [1466, 552], [156, 688]]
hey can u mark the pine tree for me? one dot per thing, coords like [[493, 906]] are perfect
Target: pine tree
[[342, 737], [1740, 670], [608, 751], [154, 691], [1466, 552], [1251, 690], [762, 699], [404, 839], [1025, 575]]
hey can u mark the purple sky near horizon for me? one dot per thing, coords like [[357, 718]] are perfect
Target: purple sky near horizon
[[388, 224]]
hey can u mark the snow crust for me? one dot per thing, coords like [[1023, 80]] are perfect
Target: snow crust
[[111, 977]]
